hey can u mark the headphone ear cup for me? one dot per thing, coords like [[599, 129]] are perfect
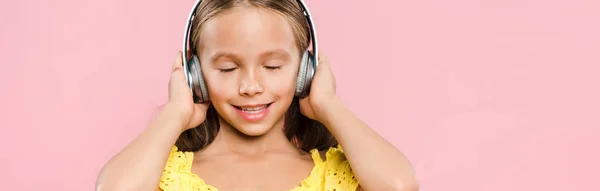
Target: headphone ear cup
[[305, 75], [199, 88]]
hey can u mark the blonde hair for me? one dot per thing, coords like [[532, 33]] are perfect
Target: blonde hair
[[305, 133]]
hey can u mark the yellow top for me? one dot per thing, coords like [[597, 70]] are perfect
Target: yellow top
[[334, 173]]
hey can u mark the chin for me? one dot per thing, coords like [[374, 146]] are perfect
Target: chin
[[253, 130]]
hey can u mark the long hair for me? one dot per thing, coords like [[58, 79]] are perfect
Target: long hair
[[304, 132]]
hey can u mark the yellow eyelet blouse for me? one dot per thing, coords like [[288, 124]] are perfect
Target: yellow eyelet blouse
[[333, 174]]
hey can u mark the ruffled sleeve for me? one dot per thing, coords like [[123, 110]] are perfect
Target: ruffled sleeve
[[177, 174], [338, 173], [333, 174]]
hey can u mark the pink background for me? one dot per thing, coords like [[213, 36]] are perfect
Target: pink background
[[480, 95]]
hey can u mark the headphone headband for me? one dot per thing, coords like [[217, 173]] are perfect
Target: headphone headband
[[188, 25]]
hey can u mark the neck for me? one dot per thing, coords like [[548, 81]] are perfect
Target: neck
[[231, 140]]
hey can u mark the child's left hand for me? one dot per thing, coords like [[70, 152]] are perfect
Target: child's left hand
[[322, 91]]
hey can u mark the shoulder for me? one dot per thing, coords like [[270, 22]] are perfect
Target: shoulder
[[335, 169]]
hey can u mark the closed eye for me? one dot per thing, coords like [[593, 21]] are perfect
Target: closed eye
[[227, 70], [272, 67]]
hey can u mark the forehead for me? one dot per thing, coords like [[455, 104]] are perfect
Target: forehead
[[247, 31]]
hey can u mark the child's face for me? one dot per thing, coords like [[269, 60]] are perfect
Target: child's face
[[249, 59]]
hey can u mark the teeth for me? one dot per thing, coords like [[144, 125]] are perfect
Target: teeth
[[253, 108]]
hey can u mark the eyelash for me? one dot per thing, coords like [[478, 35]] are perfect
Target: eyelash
[[227, 70], [268, 67], [273, 67]]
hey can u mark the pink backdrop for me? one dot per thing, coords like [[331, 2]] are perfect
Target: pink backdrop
[[480, 95]]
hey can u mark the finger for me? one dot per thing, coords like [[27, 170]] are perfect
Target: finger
[[178, 63], [177, 80], [322, 56], [323, 60], [199, 115]]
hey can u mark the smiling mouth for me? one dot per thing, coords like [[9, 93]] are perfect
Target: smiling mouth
[[253, 109]]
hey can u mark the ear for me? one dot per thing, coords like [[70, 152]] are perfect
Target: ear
[[310, 47]]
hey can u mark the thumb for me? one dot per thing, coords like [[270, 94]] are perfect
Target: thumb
[[199, 115]]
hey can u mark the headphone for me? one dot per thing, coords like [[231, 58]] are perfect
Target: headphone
[[195, 80]]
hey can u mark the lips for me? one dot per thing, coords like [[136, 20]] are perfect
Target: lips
[[253, 113]]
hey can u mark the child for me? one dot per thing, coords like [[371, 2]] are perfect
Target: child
[[255, 133]]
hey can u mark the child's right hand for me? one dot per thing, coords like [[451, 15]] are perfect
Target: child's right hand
[[180, 98]]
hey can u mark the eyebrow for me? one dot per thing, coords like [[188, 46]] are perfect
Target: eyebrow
[[218, 55], [276, 52]]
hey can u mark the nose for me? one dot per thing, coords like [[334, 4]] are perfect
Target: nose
[[250, 85]]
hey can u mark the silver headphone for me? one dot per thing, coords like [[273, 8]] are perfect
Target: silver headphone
[[195, 80]]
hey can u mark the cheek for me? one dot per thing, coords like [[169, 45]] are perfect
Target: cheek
[[283, 84], [219, 87]]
